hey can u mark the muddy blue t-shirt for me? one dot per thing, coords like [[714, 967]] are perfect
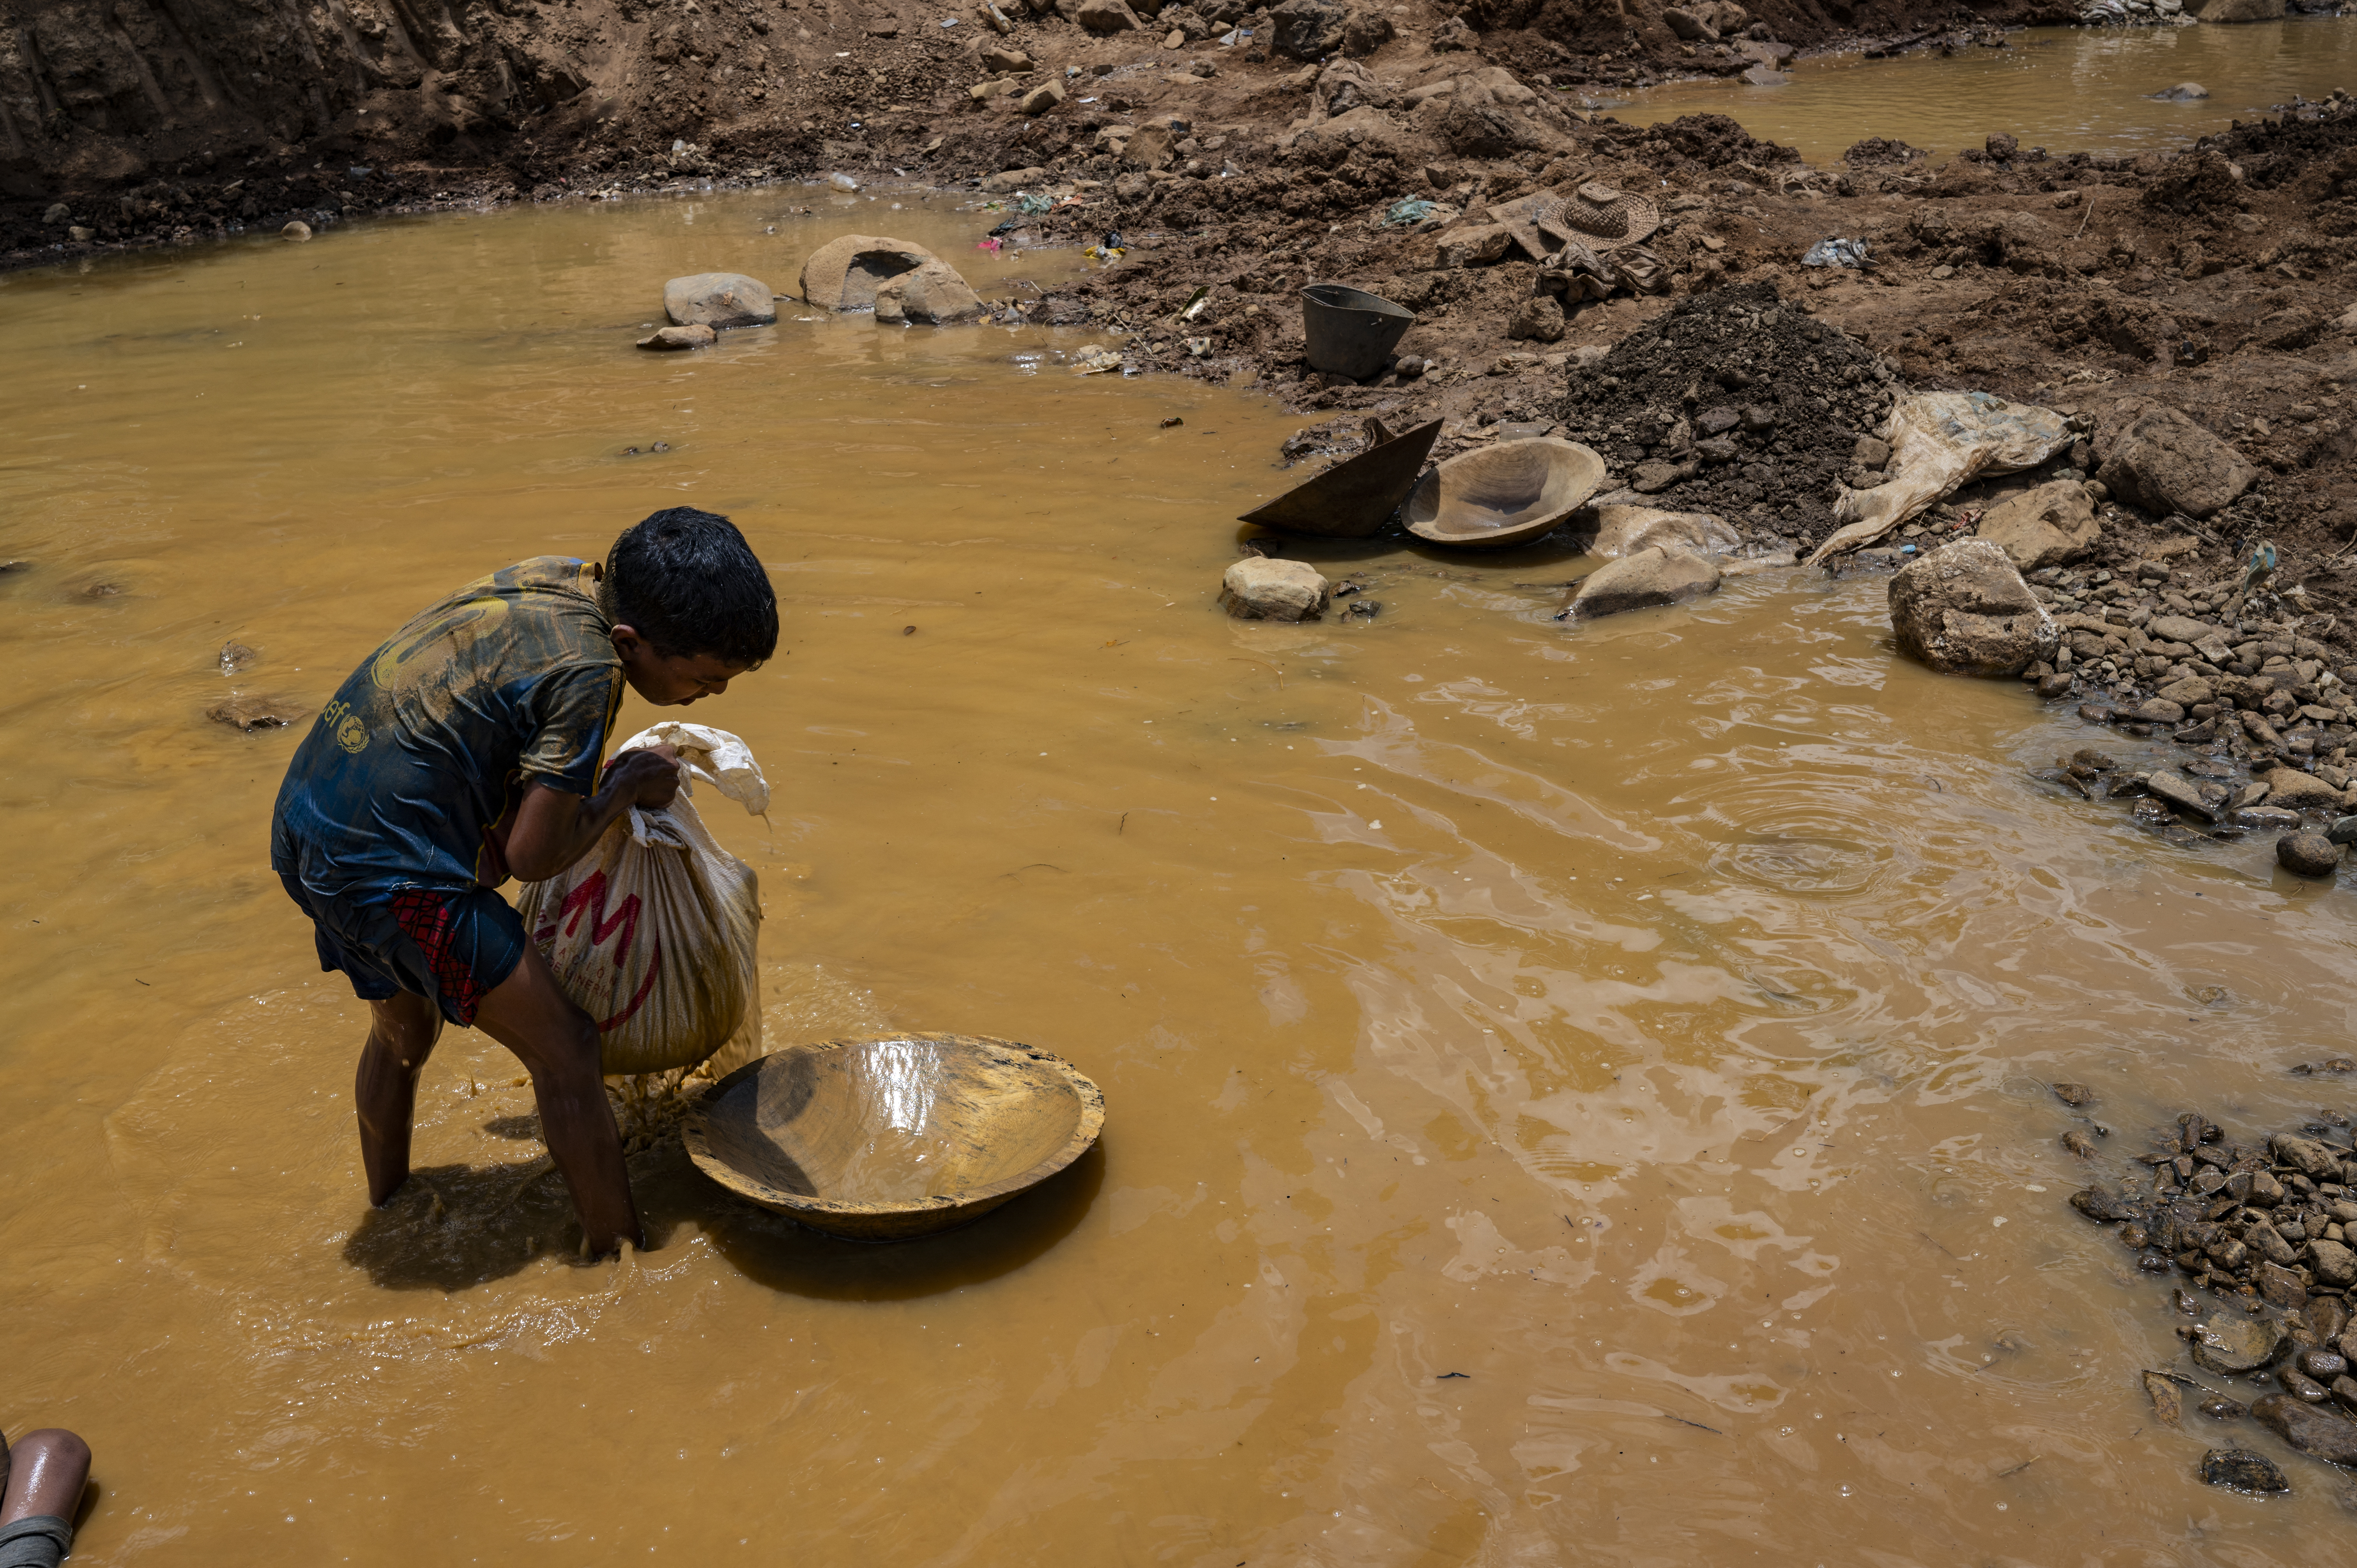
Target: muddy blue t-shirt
[[429, 743]]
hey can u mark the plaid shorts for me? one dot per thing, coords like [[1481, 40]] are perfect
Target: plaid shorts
[[450, 948]]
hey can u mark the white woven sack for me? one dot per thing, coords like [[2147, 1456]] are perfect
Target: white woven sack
[[652, 934]]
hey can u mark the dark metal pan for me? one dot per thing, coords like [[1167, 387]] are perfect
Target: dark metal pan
[[1355, 497]]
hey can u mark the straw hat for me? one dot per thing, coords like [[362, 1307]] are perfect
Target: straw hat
[[1601, 217]]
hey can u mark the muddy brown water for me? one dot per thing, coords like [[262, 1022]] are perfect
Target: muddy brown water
[[1573, 1094], [2064, 89]]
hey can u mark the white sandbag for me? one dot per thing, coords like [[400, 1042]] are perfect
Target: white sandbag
[[654, 932], [1940, 441]]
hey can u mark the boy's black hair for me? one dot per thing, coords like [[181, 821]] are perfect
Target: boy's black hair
[[687, 582]]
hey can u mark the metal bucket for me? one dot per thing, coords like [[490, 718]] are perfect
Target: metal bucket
[[1351, 332]]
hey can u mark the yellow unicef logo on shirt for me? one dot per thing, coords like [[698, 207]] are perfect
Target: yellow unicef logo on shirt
[[347, 726]]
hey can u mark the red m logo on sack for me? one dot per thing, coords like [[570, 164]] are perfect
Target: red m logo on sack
[[589, 897]]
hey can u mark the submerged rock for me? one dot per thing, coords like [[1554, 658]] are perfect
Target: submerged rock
[[673, 339], [2231, 1342], [2309, 1428], [1257, 588], [719, 299], [1623, 530], [2183, 93], [2308, 854], [250, 713], [1964, 609], [1654, 575], [933, 292], [2239, 1470]]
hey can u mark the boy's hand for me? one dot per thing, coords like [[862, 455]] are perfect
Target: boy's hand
[[647, 776]]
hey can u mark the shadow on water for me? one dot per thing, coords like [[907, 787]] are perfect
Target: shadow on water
[[454, 1227]]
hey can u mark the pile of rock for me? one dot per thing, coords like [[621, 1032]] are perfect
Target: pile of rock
[[1737, 402], [2264, 1231]]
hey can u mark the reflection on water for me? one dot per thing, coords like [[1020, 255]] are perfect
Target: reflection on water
[[2065, 88], [1573, 1093]]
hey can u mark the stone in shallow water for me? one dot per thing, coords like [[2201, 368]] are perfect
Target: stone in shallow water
[[2239, 1470], [2231, 1342], [2308, 854], [2307, 1428]]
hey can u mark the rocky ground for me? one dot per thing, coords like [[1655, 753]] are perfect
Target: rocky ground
[[2258, 1236]]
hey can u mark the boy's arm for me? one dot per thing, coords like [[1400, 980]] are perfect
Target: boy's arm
[[554, 828]]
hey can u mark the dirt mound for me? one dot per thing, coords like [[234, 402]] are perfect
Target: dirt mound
[[2197, 185], [2276, 152], [1741, 403], [1877, 152]]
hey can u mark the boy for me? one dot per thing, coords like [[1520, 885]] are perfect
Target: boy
[[467, 748]]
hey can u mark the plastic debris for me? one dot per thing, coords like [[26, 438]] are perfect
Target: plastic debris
[[1095, 361], [1835, 253], [1407, 211], [1031, 205], [1108, 255], [842, 182], [992, 243], [1940, 441], [1231, 38]]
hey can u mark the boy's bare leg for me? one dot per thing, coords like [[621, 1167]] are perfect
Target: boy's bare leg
[[402, 1033], [45, 1476], [557, 1043]]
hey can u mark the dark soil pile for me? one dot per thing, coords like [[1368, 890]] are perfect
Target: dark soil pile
[[1756, 405]]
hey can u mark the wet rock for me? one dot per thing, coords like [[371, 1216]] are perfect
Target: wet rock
[[2275, 817], [1964, 609], [2239, 1470], [2183, 93], [933, 292], [2157, 711], [2165, 463], [2297, 791], [2166, 1402], [718, 300], [2333, 1262], [1651, 576], [2049, 526], [2075, 1095], [2230, 1342], [2267, 1242], [2308, 854], [1308, 29], [236, 656], [2098, 1205], [250, 713], [1539, 319], [845, 273], [2322, 1364], [2300, 1386], [2236, 10], [1623, 530], [672, 339], [1258, 588], [297, 232], [2316, 1161], [2307, 1428], [2217, 1407], [2280, 1286], [2180, 792], [1106, 18], [2079, 1144]]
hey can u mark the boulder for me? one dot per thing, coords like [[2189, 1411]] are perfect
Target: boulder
[[2049, 526], [2307, 1428], [1651, 576], [933, 292], [719, 299], [1624, 530], [2297, 791], [1366, 32], [1308, 29], [1540, 320], [1964, 609], [672, 339], [1258, 588], [1042, 98], [1472, 247], [2165, 463], [844, 274], [1106, 17], [2308, 854]]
